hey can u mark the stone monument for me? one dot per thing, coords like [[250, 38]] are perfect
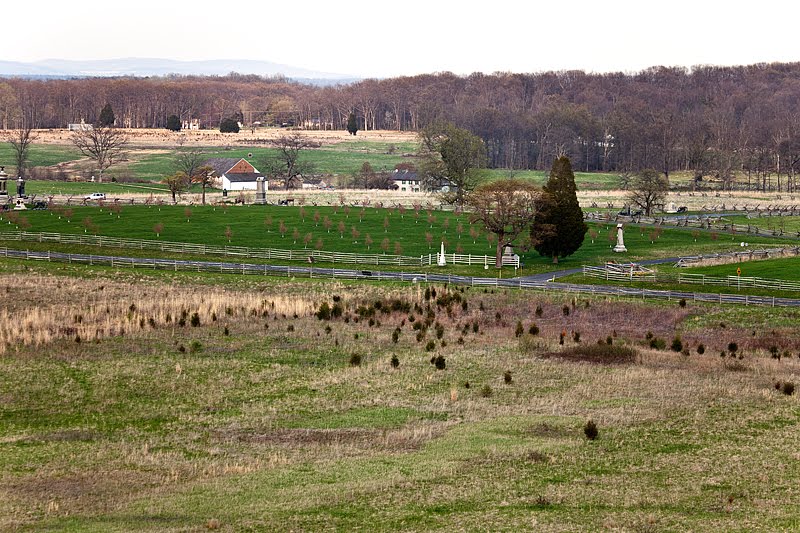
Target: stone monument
[[3, 185], [620, 247], [440, 257], [261, 190]]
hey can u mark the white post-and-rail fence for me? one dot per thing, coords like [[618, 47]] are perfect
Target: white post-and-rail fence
[[704, 222], [304, 255], [312, 272], [740, 282]]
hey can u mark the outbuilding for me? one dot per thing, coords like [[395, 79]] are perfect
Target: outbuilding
[[232, 174]]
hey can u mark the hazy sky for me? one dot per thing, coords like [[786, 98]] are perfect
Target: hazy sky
[[374, 38]]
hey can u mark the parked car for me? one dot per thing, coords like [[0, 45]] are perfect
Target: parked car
[[95, 196]]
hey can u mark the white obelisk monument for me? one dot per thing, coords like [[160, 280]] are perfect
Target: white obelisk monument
[[620, 247]]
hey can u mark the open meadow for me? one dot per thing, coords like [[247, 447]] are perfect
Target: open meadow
[[157, 400], [399, 231], [184, 402]]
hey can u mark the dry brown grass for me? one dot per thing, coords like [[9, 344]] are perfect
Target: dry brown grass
[[50, 308], [165, 138], [229, 425]]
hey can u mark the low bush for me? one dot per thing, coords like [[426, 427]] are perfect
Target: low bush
[[355, 360], [324, 312], [590, 430], [658, 343], [701, 348], [677, 344]]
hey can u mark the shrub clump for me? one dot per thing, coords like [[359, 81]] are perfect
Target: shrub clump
[[195, 321], [395, 361], [677, 344], [590, 430], [486, 391], [507, 379], [701, 348], [355, 359], [439, 362], [657, 343], [533, 329], [324, 312], [520, 329]]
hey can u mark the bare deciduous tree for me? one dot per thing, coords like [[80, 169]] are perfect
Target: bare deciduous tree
[[287, 162], [177, 183], [105, 146], [20, 141], [648, 190], [205, 177], [506, 207], [189, 161]]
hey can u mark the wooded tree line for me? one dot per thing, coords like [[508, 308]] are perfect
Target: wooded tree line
[[712, 121]]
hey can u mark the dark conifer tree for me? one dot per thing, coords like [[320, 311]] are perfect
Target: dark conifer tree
[[173, 123], [558, 229], [107, 116], [229, 125], [352, 124]]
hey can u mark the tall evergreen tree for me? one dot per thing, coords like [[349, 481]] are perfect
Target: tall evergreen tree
[[352, 124], [173, 123], [558, 229], [107, 116]]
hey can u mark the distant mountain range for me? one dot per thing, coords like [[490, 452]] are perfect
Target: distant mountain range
[[140, 67]]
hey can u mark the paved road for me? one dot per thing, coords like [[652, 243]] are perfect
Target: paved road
[[547, 276], [412, 277]]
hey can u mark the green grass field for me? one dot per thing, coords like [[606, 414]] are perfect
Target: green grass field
[[40, 154], [81, 188], [787, 268], [255, 419], [787, 224], [259, 227], [341, 160], [583, 180]]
